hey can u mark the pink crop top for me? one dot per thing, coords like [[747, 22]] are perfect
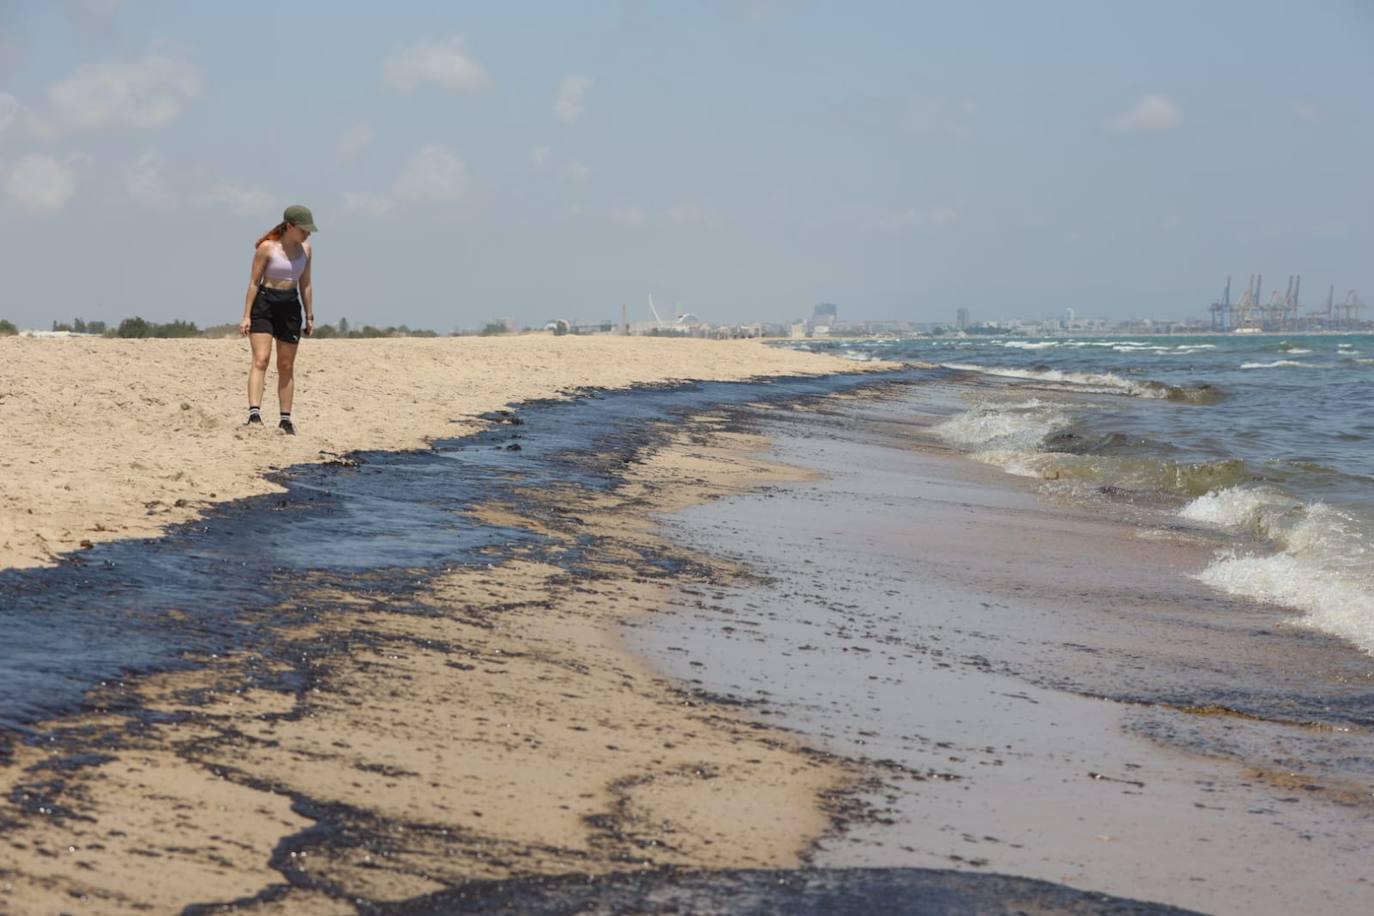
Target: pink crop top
[[280, 268]]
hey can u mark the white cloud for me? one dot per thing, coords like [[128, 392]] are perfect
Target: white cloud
[[629, 215], [942, 216], [445, 63], [568, 105], [243, 201], [686, 213], [1150, 113], [354, 140], [9, 107], [545, 159], [145, 183], [365, 202], [41, 184], [140, 93], [434, 173]]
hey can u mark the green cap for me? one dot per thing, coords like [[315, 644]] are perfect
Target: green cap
[[300, 216]]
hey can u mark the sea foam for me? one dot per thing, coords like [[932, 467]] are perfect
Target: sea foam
[[1333, 605], [1278, 364], [1100, 380], [1321, 567], [1098, 383], [1240, 508], [1021, 426]]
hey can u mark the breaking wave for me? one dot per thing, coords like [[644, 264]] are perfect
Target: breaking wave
[[1320, 562], [1035, 438], [1120, 475], [1022, 426], [1301, 526], [1099, 383], [1279, 364]]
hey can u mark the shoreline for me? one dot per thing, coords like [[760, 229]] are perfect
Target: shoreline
[[121, 439], [1046, 691], [420, 737], [418, 743]]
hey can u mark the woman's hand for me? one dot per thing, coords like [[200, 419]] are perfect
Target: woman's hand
[[309, 325], [245, 325]]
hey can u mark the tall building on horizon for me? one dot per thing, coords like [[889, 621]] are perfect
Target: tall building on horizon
[[961, 319]]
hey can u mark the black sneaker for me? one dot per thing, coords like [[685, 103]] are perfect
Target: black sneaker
[[254, 418], [286, 427]]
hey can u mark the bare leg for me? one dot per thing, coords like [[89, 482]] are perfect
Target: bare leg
[[257, 375], [286, 377]]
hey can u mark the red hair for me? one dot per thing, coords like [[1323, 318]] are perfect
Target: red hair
[[272, 235]]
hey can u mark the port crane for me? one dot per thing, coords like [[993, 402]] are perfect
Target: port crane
[[1282, 311]]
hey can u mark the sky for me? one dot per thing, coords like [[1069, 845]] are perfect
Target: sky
[[739, 159]]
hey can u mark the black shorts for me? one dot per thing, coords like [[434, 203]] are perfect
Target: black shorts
[[277, 312]]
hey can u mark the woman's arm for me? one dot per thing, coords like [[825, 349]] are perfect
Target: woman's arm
[[254, 279], [307, 295]]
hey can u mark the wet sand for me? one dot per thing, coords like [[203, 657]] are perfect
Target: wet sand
[[1043, 688], [112, 439]]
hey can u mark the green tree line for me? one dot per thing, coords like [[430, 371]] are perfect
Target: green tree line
[[137, 327], [344, 330]]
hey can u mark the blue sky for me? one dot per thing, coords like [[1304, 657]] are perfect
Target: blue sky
[[741, 160]]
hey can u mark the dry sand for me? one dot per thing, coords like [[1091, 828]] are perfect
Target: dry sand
[[499, 729], [107, 439]]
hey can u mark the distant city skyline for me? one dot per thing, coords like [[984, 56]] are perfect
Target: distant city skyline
[[741, 160]]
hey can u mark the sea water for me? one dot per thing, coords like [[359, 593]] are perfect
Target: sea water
[[1269, 439]]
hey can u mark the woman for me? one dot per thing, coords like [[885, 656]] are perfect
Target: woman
[[278, 287]]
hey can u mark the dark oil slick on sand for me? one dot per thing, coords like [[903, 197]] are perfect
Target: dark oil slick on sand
[[386, 519], [837, 891]]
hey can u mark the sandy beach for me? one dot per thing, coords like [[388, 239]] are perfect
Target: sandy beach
[[718, 646], [365, 737], [109, 439], [741, 458]]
